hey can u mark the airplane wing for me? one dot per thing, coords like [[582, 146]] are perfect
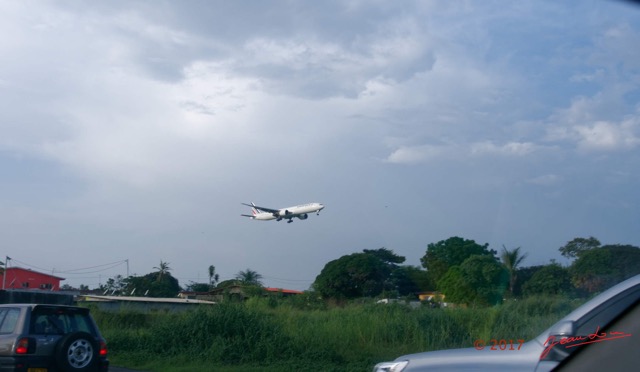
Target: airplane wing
[[262, 208]]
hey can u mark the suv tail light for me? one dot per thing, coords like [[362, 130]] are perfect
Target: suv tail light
[[103, 349], [22, 346]]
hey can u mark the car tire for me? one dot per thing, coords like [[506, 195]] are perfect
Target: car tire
[[77, 352]]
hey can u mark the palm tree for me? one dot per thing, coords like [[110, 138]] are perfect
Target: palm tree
[[213, 277], [511, 259], [249, 277], [163, 269]]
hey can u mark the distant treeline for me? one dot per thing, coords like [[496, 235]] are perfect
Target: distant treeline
[[465, 272]]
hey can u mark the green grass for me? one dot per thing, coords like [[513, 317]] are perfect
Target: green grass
[[267, 335]]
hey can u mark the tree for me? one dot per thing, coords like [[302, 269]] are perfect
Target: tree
[[228, 283], [600, 268], [249, 277], [198, 287], [352, 276], [149, 285], [480, 280], [523, 275], [385, 255], [213, 277], [451, 252], [455, 287], [576, 246], [511, 259], [407, 280], [367, 274], [163, 269], [551, 279], [115, 285]]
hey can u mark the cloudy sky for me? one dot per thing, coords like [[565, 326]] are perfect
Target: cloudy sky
[[134, 130]]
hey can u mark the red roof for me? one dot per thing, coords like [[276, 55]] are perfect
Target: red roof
[[290, 291], [10, 270]]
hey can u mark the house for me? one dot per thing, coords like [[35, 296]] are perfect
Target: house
[[27, 279], [144, 304], [432, 296], [283, 292], [236, 292]]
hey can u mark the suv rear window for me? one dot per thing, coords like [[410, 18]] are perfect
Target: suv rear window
[[8, 319], [60, 321]]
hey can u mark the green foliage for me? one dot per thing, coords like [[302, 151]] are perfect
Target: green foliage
[[198, 287], [408, 280], [259, 335], [228, 283], [511, 259], [454, 251], [368, 274], [351, 276], [479, 280], [213, 277], [454, 286], [551, 279], [523, 275], [249, 277], [487, 277], [115, 285], [600, 268], [385, 255], [153, 284], [576, 246]]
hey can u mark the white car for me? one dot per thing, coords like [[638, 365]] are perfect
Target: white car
[[589, 324]]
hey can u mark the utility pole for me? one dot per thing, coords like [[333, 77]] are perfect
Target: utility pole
[[4, 275]]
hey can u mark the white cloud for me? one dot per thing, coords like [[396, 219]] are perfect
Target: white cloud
[[162, 119], [511, 148], [414, 154], [609, 136]]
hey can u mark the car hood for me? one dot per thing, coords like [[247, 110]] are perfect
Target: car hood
[[471, 359]]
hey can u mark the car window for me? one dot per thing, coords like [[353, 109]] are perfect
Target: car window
[[8, 320], [607, 312], [616, 354], [596, 321], [60, 321]]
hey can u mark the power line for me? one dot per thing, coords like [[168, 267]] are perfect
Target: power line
[[81, 271]]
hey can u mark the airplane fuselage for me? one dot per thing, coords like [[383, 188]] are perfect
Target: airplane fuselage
[[298, 211]]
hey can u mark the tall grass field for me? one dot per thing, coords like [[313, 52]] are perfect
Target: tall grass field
[[275, 335]]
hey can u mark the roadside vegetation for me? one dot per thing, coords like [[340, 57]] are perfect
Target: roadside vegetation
[[268, 334], [337, 326]]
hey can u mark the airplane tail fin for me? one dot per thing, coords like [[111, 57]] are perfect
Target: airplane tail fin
[[254, 211]]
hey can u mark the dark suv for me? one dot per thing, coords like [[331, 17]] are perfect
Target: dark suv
[[48, 338]]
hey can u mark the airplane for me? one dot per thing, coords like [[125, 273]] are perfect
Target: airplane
[[301, 211]]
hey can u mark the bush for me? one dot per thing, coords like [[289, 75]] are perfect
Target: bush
[[264, 332]]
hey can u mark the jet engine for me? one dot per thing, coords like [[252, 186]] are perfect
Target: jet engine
[[285, 213], [303, 216]]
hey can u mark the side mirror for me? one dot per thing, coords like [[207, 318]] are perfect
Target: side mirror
[[554, 350], [565, 328]]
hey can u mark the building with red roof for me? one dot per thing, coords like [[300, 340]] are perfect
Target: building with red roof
[[27, 279]]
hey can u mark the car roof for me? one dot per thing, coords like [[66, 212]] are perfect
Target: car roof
[[25, 305]]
